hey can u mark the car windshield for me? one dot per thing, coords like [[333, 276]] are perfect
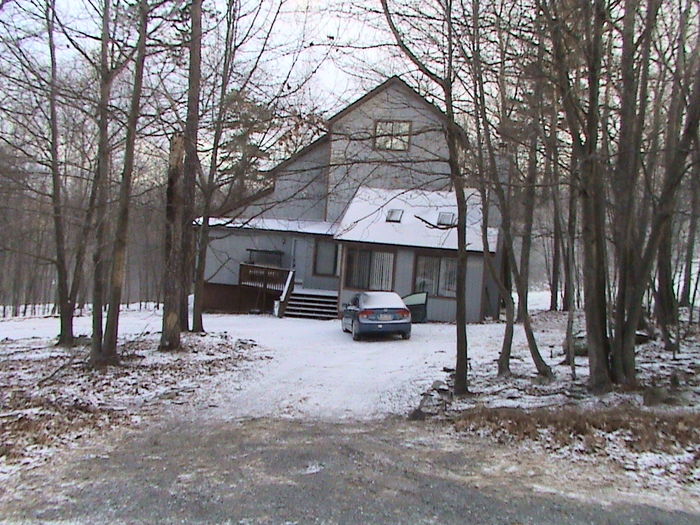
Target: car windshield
[[382, 300]]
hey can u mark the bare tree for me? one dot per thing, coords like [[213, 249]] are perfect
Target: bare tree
[[456, 141], [119, 251], [65, 307], [170, 335], [191, 167], [637, 225]]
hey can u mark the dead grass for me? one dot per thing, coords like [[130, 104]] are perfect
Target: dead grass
[[644, 430], [37, 421], [49, 398]]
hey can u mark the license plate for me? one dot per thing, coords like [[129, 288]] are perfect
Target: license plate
[[385, 317]]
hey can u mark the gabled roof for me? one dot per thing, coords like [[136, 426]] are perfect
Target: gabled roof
[[365, 219], [392, 81]]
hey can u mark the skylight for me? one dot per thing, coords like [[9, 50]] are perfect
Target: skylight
[[394, 215], [446, 218]]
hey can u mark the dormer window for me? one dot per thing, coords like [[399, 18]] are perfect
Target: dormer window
[[394, 215], [392, 135], [446, 218]]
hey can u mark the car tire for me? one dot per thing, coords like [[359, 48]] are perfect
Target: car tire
[[406, 335], [342, 325], [355, 331]]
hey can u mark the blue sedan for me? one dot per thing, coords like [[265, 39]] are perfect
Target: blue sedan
[[376, 313]]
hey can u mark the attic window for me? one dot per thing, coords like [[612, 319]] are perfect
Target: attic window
[[392, 135], [394, 215], [446, 218]]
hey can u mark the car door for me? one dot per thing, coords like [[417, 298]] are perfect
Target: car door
[[417, 303]]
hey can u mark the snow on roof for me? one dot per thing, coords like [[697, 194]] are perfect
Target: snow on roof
[[365, 219], [280, 225]]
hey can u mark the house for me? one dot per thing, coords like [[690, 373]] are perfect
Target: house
[[368, 205]]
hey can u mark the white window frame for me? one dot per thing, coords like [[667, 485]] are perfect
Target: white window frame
[[392, 135]]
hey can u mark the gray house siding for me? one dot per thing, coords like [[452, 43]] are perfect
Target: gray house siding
[[229, 248], [492, 296], [354, 161], [300, 187], [445, 309]]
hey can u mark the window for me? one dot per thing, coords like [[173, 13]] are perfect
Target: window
[[394, 215], [325, 258], [436, 275], [392, 135], [427, 274], [368, 269], [446, 218], [448, 277]]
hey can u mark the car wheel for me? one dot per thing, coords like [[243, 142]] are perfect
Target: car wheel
[[342, 324], [355, 331], [406, 335]]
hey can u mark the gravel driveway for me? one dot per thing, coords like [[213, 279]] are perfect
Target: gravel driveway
[[285, 471]]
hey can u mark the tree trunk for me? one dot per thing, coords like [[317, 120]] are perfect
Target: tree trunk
[[531, 180], [65, 307], [453, 136], [591, 186], [201, 262], [558, 240], [528, 215], [97, 356], [172, 281], [678, 149], [570, 255], [570, 307], [122, 229], [209, 186], [692, 232], [507, 344], [191, 165], [461, 385], [594, 285], [666, 304]]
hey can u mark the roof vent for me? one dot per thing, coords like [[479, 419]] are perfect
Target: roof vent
[[394, 215], [446, 218]]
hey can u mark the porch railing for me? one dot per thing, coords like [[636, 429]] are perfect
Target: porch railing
[[264, 277], [286, 294]]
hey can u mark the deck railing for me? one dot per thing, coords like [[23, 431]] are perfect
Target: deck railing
[[264, 277]]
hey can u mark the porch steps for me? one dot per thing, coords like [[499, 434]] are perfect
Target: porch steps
[[312, 304]]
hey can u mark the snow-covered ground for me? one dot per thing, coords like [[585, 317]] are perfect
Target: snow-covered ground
[[261, 366], [312, 369], [315, 370]]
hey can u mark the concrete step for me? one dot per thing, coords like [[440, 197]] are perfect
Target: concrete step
[[312, 304], [306, 309]]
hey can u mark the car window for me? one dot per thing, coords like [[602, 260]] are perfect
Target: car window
[[416, 298], [355, 300]]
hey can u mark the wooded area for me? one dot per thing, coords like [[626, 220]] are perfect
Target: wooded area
[[576, 120]]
